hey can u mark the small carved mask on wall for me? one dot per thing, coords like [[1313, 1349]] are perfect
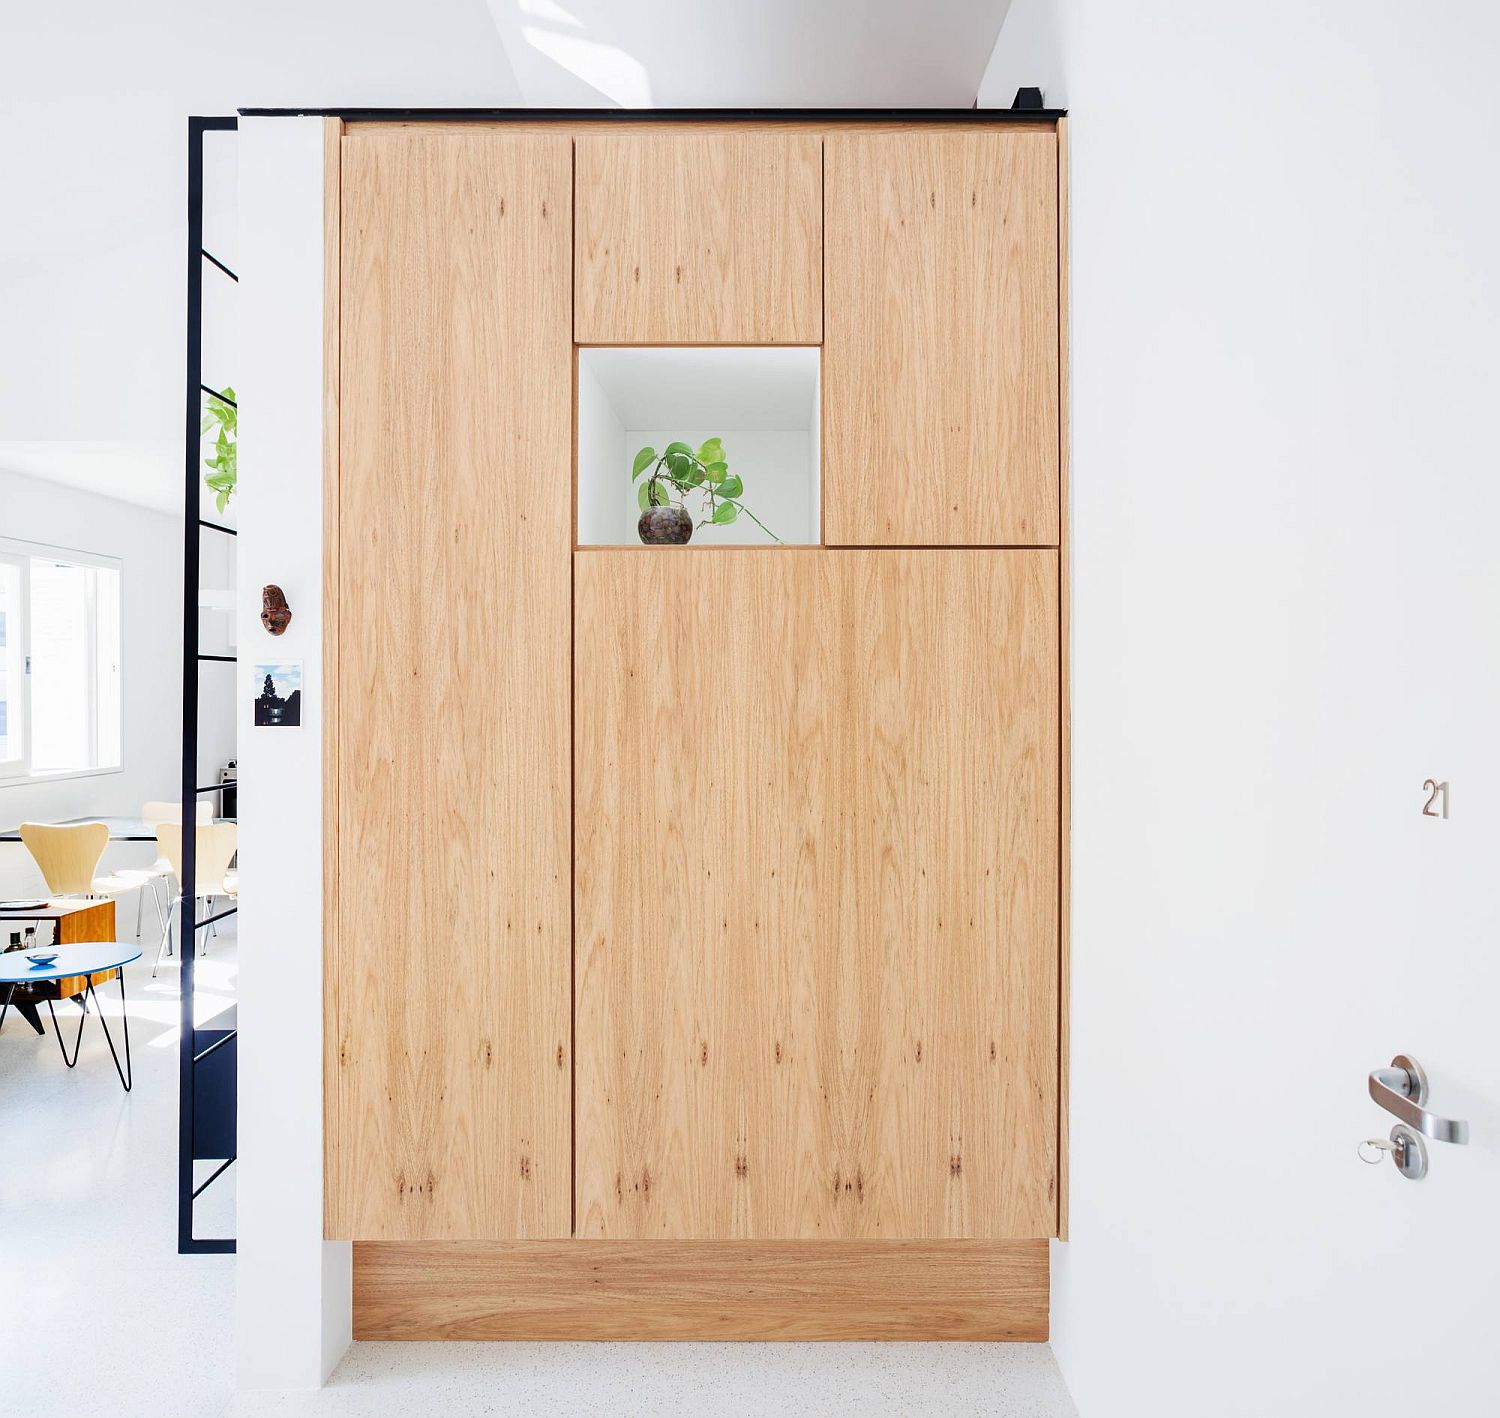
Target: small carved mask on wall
[[275, 614]]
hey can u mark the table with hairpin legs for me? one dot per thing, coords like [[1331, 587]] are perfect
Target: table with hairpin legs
[[85, 961]]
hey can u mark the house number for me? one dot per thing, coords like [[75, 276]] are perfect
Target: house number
[[1433, 788]]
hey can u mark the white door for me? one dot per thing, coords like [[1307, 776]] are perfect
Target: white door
[[1286, 489]]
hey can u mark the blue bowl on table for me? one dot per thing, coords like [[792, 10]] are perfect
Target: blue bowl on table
[[42, 959]]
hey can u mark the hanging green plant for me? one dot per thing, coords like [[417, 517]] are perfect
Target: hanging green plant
[[703, 474], [225, 461]]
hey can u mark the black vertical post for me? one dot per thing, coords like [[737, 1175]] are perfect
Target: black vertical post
[[187, 935], [186, 932]]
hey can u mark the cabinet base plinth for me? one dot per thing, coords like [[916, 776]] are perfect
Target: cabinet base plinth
[[701, 1290]]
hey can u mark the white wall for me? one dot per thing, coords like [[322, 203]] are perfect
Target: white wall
[[1284, 296], [601, 480], [93, 149], [1028, 54], [149, 546], [292, 1287]]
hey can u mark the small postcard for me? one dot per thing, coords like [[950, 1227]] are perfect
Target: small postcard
[[279, 704]]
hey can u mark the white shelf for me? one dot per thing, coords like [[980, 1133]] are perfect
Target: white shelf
[[762, 402]]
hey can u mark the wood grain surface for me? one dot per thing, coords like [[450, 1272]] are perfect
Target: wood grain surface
[[699, 238], [1065, 676], [448, 1012], [940, 395], [655, 1290], [816, 894], [95, 921]]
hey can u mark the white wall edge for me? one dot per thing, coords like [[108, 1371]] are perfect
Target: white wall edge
[[293, 1288]]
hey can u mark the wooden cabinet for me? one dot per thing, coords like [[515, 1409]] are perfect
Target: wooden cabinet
[[710, 238], [696, 958], [448, 1062], [940, 396], [816, 866]]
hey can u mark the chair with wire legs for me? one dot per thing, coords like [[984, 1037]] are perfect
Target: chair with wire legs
[[215, 845], [157, 878]]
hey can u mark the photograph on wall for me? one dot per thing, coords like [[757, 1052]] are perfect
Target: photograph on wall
[[279, 703]]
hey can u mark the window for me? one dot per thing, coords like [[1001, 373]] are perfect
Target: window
[[59, 662]]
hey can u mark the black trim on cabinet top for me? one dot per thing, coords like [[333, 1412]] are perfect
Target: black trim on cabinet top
[[665, 115]]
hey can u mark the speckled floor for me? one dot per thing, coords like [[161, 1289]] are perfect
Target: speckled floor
[[747, 1380], [100, 1315], [98, 1312]]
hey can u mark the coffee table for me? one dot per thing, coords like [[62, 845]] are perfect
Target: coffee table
[[85, 959]]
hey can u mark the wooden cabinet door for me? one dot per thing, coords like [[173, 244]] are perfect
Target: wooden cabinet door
[[940, 396], [816, 893], [710, 238], [447, 1011]]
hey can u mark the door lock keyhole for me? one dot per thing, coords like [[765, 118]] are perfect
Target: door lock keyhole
[[1406, 1150]]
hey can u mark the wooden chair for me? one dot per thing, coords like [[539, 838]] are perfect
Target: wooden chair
[[216, 844], [68, 858]]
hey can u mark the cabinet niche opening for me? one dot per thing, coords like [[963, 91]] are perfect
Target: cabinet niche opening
[[762, 402]]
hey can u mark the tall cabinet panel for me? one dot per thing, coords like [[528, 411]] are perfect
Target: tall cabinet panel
[[448, 1065], [816, 893], [940, 396], [709, 238]]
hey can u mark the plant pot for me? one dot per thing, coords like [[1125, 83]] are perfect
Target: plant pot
[[665, 526]]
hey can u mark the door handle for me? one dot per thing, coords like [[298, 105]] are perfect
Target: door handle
[[1402, 1089]]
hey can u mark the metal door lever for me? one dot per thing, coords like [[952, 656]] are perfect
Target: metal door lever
[[1402, 1089]]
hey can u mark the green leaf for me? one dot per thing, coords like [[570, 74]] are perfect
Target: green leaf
[[680, 465], [222, 500], [731, 486], [716, 471], [643, 495], [643, 460], [695, 478], [206, 423], [659, 495], [678, 448], [711, 451], [725, 513]]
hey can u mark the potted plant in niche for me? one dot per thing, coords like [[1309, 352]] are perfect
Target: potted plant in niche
[[679, 472], [225, 461]]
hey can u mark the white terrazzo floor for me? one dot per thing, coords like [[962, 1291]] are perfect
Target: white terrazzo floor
[[101, 1316], [99, 1313], [744, 1380]]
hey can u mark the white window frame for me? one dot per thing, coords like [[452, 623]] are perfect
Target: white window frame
[[18, 633], [16, 772]]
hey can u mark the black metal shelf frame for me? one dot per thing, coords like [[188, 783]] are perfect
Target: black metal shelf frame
[[209, 256], [203, 1095]]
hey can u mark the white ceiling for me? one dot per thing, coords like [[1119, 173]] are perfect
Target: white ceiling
[[92, 152], [761, 54]]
